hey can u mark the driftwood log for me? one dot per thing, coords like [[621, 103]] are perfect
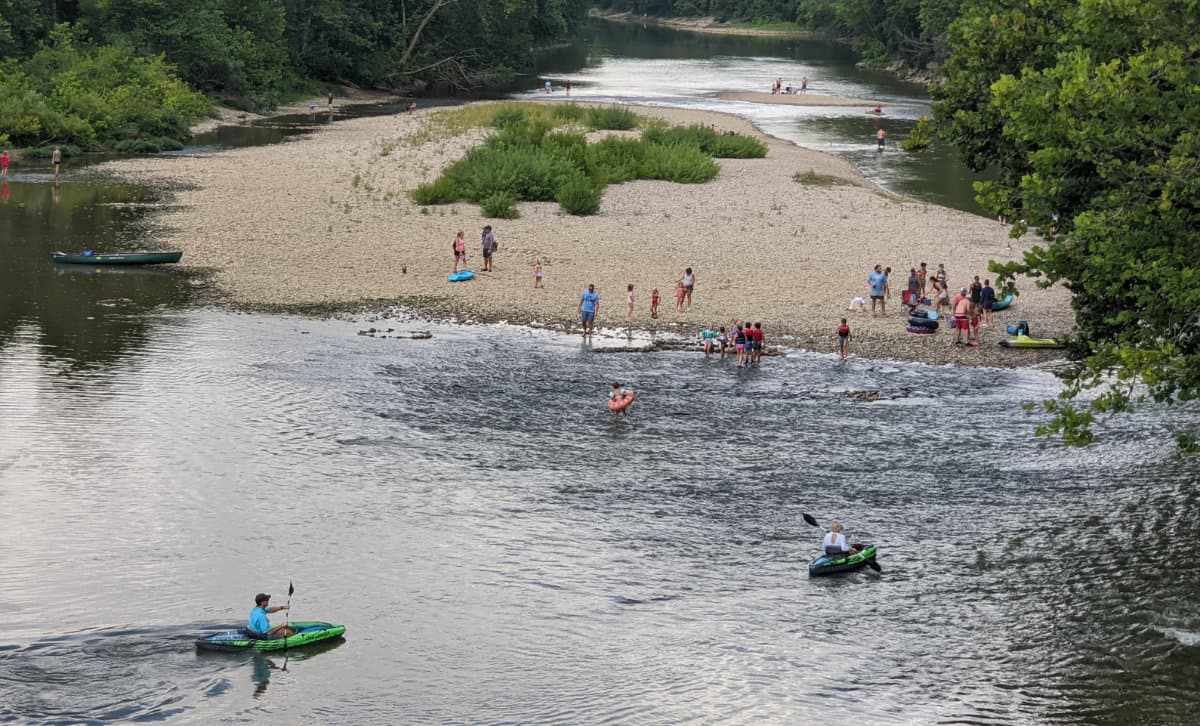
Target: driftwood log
[[410, 335]]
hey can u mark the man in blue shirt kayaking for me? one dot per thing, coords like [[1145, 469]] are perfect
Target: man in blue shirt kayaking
[[260, 625]]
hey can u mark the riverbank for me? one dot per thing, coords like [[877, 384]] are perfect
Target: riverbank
[[343, 96], [325, 221], [708, 25]]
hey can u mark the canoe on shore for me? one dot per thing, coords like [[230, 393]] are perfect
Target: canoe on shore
[[118, 258]]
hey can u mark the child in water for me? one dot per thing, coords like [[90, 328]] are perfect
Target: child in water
[[654, 303], [617, 394], [843, 333], [537, 274]]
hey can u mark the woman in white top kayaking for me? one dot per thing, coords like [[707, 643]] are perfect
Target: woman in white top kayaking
[[835, 543]]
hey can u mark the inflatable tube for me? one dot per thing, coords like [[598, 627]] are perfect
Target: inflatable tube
[[462, 276], [1002, 304], [925, 314], [922, 323], [922, 331], [622, 403]]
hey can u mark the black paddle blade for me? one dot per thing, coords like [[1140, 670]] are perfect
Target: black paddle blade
[[290, 588], [874, 565], [809, 518]]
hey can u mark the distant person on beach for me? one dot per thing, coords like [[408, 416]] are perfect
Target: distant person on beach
[[460, 250], [629, 301], [589, 303], [331, 100], [56, 160], [775, 88], [878, 283], [489, 248], [914, 288], [412, 107], [976, 319], [922, 275], [976, 291], [880, 139], [654, 299], [680, 293], [987, 298], [940, 296], [689, 284], [537, 274], [4, 165], [941, 276], [804, 85], [567, 85], [843, 334]]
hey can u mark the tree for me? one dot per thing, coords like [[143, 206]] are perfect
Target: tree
[[1087, 112]]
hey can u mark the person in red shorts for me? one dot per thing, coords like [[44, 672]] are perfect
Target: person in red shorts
[[4, 165], [962, 313]]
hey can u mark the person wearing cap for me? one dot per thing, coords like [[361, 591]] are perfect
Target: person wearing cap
[[260, 625]]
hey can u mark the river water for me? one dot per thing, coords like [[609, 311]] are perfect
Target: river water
[[502, 550]]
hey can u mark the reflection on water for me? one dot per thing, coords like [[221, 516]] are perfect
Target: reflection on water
[[505, 553]]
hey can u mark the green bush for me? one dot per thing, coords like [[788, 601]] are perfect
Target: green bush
[[569, 112], [677, 163], [920, 137], [580, 196], [732, 146], [510, 114], [443, 190], [612, 118], [500, 205], [615, 160]]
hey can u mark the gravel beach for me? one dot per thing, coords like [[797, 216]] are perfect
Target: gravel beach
[[325, 220]]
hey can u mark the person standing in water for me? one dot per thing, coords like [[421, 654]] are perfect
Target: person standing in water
[[843, 334], [589, 303], [331, 100], [4, 165], [618, 393], [880, 139], [56, 160]]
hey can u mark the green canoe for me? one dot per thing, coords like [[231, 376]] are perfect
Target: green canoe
[[118, 258], [1024, 341], [831, 564], [307, 633]]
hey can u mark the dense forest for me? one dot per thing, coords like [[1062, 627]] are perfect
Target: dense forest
[[909, 31], [98, 72]]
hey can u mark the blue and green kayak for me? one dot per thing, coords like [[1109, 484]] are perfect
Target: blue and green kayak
[[831, 565], [307, 633]]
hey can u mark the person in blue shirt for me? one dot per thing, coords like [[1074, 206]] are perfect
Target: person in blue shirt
[[260, 625], [878, 282], [708, 337], [589, 302]]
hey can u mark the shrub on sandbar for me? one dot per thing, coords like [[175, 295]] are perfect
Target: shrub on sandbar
[[580, 196], [613, 118]]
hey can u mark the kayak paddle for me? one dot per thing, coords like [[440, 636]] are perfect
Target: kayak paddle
[[287, 617]]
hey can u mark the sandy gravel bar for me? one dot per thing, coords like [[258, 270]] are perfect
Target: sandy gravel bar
[[792, 99], [326, 220]]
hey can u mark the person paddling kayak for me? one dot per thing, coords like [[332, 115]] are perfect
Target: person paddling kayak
[[260, 624], [835, 543]]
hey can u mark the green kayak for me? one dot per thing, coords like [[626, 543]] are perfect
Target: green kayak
[[831, 565], [118, 258], [307, 633], [1024, 341]]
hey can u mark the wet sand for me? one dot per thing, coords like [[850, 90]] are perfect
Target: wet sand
[[325, 221]]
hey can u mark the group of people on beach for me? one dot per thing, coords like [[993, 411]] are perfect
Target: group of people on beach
[[970, 308], [744, 339], [589, 300], [778, 88], [489, 246]]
